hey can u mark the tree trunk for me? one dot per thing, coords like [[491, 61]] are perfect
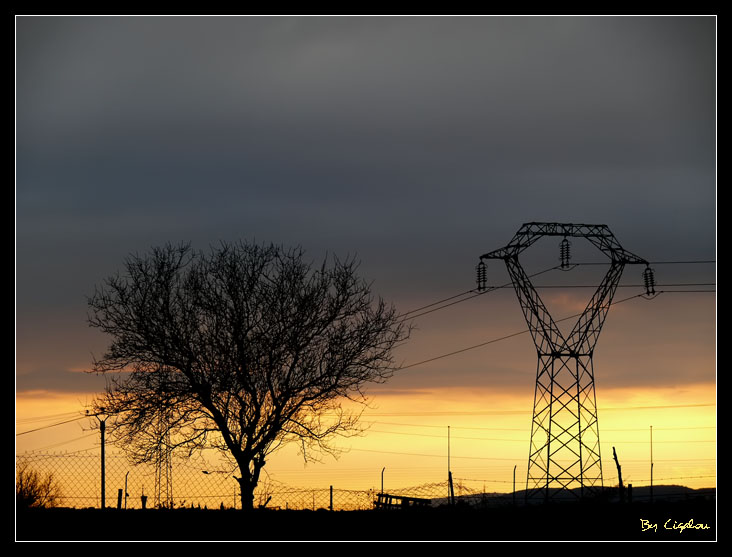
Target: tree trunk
[[248, 482], [247, 493]]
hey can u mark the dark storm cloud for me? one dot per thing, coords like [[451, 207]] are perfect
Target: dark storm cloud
[[418, 143], [371, 101]]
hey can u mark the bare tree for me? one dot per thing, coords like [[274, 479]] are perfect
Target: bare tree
[[34, 489], [243, 348]]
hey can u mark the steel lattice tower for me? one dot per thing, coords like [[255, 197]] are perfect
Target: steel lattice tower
[[163, 487], [164, 474], [564, 452]]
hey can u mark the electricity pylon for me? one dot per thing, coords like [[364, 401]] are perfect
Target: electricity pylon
[[564, 452]]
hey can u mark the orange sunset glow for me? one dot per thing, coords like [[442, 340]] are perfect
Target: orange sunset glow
[[405, 428]]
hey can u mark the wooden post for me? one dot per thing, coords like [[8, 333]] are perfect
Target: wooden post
[[331, 498], [119, 499]]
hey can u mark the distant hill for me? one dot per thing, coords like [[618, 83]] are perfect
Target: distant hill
[[666, 493]]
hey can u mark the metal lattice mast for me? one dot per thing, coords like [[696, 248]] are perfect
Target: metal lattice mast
[[163, 489], [564, 452], [164, 474]]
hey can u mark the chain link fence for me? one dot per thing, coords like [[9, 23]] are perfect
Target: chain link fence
[[192, 484]]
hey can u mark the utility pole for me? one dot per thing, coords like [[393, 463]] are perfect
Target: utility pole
[[564, 453], [102, 417]]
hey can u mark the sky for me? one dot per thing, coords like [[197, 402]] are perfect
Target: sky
[[416, 144]]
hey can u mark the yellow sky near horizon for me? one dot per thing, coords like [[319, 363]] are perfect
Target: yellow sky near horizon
[[407, 435], [655, 366]]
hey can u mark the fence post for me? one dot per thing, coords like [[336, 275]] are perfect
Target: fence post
[[119, 499], [331, 498], [452, 489], [102, 427]]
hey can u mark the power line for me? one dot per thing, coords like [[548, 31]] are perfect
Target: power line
[[509, 285], [623, 285], [517, 458], [46, 417], [475, 295], [435, 455], [645, 461], [524, 429], [675, 442], [684, 478], [452, 303], [443, 436], [506, 337], [51, 425], [509, 412], [541, 287], [492, 341], [486, 343], [655, 262], [453, 427], [684, 291], [435, 303], [485, 481], [54, 445], [658, 479], [678, 441]]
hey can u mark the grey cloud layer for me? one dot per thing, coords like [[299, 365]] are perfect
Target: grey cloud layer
[[417, 142]]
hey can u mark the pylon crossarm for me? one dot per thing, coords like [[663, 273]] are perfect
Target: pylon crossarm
[[610, 247], [598, 234]]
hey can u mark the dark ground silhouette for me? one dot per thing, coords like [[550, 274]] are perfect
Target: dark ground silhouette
[[677, 521]]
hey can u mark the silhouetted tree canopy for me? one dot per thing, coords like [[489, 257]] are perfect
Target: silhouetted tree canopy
[[34, 489], [242, 348]]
